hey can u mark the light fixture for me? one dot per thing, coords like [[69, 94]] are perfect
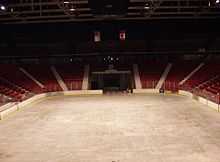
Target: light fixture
[[66, 2], [217, 1], [147, 6], [72, 9], [3, 8]]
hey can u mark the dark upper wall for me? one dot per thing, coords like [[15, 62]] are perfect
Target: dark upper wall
[[67, 38]]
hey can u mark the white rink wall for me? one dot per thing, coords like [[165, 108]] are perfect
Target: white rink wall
[[17, 106], [5, 112], [139, 91], [202, 100]]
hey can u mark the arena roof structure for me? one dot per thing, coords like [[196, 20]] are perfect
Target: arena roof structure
[[40, 11], [59, 28]]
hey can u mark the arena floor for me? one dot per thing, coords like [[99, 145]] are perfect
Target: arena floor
[[132, 128]]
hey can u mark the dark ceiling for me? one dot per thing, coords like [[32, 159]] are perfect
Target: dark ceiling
[[44, 11], [151, 37], [42, 28]]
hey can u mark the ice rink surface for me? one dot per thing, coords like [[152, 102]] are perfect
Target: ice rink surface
[[129, 128]]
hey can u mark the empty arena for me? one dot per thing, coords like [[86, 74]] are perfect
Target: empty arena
[[112, 128], [109, 81]]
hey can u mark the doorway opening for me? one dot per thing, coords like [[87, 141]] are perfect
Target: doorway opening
[[112, 81]]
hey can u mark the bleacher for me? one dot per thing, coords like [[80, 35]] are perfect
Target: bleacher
[[179, 70], [207, 72], [14, 76], [15, 93], [44, 75], [150, 73], [17, 86], [205, 82], [72, 75]]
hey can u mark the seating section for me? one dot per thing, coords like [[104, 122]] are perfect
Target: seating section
[[16, 85], [13, 92], [209, 89], [212, 86], [44, 75], [205, 82], [207, 72], [72, 75], [15, 76], [179, 70], [150, 73]]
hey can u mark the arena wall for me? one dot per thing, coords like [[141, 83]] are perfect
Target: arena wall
[[17, 106], [202, 100]]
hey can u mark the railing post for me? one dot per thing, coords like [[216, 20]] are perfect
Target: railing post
[[218, 101]]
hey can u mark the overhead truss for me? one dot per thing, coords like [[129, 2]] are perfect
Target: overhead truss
[[40, 11]]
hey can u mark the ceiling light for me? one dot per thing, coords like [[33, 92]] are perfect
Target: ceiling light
[[3, 8], [66, 2], [72, 9], [217, 1], [147, 6]]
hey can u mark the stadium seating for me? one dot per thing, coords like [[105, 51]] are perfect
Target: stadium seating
[[205, 82], [209, 89], [18, 86], [72, 75], [206, 73], [44, 75], [15, 93], [150, 73], [179, 70], [15, 76]]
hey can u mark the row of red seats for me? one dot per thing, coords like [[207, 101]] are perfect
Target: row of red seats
[[178, 71], [72, 75], [150, 73], [14, 75], [208, 71], [213, 85], [15, 95], [44, 75], [206, 81]]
